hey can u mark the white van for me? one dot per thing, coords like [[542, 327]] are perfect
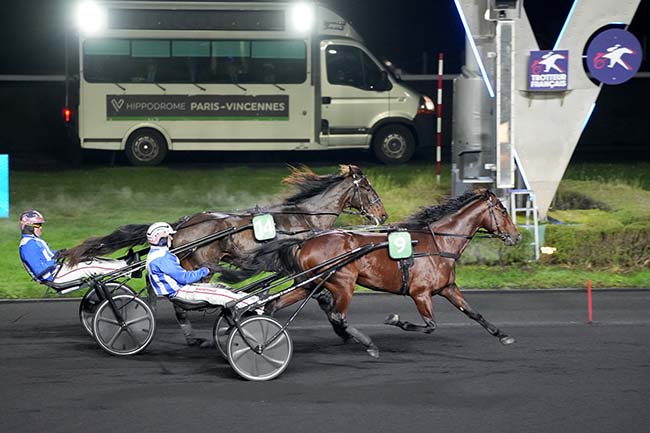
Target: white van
[[167, 76]]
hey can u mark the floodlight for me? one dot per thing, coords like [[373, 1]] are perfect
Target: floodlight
[[91, 17], [302, 17]]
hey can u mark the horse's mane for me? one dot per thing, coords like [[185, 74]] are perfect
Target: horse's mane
[[310, 184], [428, 214]]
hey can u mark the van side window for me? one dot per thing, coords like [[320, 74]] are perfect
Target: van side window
[[195, 61], [350, 66]]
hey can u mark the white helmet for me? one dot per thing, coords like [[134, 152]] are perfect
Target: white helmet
[[158, 231]]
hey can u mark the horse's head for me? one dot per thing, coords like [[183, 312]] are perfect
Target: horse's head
[[336, 192], [364, 198], [498, 221]]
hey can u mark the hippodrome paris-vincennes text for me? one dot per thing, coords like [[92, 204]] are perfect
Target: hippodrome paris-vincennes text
[[207, 106]]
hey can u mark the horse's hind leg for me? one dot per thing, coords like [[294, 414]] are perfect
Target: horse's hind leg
[[453, 295], [357, 335], [285, 300], [423, 304], [340, 324], [326, 303]]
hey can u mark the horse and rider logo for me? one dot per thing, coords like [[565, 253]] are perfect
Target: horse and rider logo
[[614, 56], [548, 70], [549, 61]]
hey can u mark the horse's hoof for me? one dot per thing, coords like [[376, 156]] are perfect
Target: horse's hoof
[[507, 340], [392, 319], [373, 351]]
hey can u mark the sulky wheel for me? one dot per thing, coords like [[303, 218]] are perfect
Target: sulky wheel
[[130, 336], [221, 332], [244, 343], [90, 301]]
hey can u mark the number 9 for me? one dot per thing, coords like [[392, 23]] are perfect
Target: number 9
[[400, 243]]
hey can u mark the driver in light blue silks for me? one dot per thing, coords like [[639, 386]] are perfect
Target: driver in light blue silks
[[169, 278], [41, 262]]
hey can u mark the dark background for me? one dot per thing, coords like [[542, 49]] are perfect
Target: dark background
[[409, 33]]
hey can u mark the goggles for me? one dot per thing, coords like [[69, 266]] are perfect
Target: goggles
[[37, 225]]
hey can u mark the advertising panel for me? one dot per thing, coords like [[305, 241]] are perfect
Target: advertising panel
[[197, 107], [548, 71]]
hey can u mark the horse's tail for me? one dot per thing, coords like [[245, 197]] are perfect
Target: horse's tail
[[125, 236], [275, 256]]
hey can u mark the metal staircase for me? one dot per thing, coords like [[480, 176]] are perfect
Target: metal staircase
[[529, 209]]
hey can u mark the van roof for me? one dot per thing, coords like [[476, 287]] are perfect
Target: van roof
[[327, 22]]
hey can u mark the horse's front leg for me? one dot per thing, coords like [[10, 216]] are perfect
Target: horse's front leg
[[453, 295], [425, 308]]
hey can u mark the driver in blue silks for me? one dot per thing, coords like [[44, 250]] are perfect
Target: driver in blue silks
[[169, 278], [41, 262]]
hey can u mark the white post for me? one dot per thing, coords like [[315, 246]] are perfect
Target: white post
[[439, 118]]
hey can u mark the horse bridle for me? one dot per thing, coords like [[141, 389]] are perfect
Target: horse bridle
[[500, 234], [363, 211]]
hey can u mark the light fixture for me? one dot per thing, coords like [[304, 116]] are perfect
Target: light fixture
[[91, 17], [302, 17]]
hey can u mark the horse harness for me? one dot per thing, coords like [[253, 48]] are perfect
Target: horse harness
[[407, 263]]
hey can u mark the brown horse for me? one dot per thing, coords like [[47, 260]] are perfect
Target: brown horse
[[441, 232], [317, 204]]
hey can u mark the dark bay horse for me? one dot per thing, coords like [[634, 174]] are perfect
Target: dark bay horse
[[317, 204], [442, 233]]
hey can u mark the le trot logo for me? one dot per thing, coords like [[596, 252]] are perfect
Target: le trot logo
[[614, 56], [548, 70]]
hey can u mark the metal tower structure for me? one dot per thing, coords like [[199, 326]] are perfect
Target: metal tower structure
[[506, 136]]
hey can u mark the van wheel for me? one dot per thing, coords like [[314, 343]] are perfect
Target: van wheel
[[393, 144], [146, 147]]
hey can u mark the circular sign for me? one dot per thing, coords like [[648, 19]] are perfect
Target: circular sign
[[614, 56]]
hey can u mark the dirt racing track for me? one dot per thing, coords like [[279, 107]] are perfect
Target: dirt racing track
[[561, 375]]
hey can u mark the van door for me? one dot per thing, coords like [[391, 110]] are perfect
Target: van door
[[354, 94]]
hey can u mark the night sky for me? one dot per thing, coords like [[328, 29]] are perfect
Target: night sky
[[33, 31]]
